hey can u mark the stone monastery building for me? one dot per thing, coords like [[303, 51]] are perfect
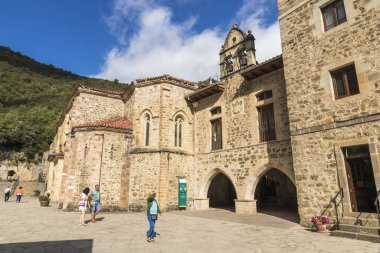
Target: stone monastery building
[[286, 134]]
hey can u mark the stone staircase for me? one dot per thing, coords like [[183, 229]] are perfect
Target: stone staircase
[[365, 227]]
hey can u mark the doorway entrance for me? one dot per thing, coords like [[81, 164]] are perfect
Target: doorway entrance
[[221, 192], [360, 178], [276, 195]]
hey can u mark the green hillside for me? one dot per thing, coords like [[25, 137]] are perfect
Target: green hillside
[[32, 96]]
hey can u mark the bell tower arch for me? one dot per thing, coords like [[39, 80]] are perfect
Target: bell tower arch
[[238, 51]]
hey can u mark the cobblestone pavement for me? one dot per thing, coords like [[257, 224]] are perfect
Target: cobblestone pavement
[[26, 227]]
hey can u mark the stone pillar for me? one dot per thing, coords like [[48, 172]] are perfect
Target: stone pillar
[[201, 204], [245, 206]]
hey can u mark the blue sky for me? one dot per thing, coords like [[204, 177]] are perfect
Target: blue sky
[[129, 39]]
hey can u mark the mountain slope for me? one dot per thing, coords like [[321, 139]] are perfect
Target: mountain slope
[[32, 96]]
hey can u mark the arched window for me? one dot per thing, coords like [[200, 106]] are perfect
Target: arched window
[[178, 129], [112, 151], [147, 127]]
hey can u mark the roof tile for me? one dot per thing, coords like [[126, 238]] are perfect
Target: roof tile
[[118, 123]]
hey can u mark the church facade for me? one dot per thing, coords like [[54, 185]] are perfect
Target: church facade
[[284, 134]]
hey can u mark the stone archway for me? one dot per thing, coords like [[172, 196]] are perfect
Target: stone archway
[[221, 192], [276, 194], [201, 200]]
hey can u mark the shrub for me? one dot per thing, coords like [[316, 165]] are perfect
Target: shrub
[[43, 198]]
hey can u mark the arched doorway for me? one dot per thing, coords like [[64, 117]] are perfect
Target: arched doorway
[[276, 194], [221, 192]]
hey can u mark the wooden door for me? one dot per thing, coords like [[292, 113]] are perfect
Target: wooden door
[[351, 188]]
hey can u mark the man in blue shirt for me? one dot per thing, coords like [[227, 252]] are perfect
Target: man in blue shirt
[[95, 203]]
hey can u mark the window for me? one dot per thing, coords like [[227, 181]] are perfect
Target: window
[[178, 132], [216, 138], [345, 82], [147, 126], [264, 95], [267, 126], [216, 110], [112, 151], [333, 14]]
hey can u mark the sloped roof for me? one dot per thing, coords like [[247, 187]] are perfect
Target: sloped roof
[[110, 124], [206, 91], [165, 78], [104, 91], [270, 65]]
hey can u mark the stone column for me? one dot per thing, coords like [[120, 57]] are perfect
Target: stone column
[[201, 204], [245, 206]]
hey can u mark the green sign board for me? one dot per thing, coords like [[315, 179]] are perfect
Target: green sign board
[[182, 193]]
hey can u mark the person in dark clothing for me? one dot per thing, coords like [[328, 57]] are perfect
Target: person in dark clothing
[[7, 192]]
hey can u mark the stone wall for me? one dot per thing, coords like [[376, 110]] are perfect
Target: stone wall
[[243, 166], [243, 158], [86, 108], [316, 169], [24, 171], [93, 157], [309, 54]]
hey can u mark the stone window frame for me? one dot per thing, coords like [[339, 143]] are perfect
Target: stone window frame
[[261, 140], [216, 110], [344, 68], [326, 81], [341, 167], [264, 95], [317, 19], [336, 21], [186, 130], [143, 126], [212, 120], [179, 125]]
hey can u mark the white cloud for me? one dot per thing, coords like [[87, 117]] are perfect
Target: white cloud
[[251, 17], [159, 46]]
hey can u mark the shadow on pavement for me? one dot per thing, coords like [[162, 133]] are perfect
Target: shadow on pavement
[[89, 220], [70, 246], [288, 215]]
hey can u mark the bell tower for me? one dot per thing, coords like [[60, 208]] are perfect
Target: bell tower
[[238, 51]]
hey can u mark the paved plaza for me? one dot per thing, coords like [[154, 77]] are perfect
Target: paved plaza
[[27, 227]]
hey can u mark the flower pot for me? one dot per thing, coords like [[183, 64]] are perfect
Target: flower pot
[[321, 228], [44, 203]]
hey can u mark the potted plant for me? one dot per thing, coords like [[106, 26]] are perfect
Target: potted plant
[[44, 200], [320, 223]]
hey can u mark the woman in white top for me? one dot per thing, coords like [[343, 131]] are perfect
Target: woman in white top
[[82, 205]]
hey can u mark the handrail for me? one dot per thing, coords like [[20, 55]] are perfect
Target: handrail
[[377, 205], [336, 205]]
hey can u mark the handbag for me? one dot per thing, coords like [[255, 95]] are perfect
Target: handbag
[[153, 216]]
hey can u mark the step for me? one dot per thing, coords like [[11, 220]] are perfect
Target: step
[[365, 222], [359, 229], [357, 236]]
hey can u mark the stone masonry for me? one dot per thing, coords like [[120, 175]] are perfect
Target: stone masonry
[[276, 119]]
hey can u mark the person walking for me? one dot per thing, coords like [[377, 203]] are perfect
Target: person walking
[[19, 193], [95, 202], [82, 205], [7, 192], [152, 213]]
